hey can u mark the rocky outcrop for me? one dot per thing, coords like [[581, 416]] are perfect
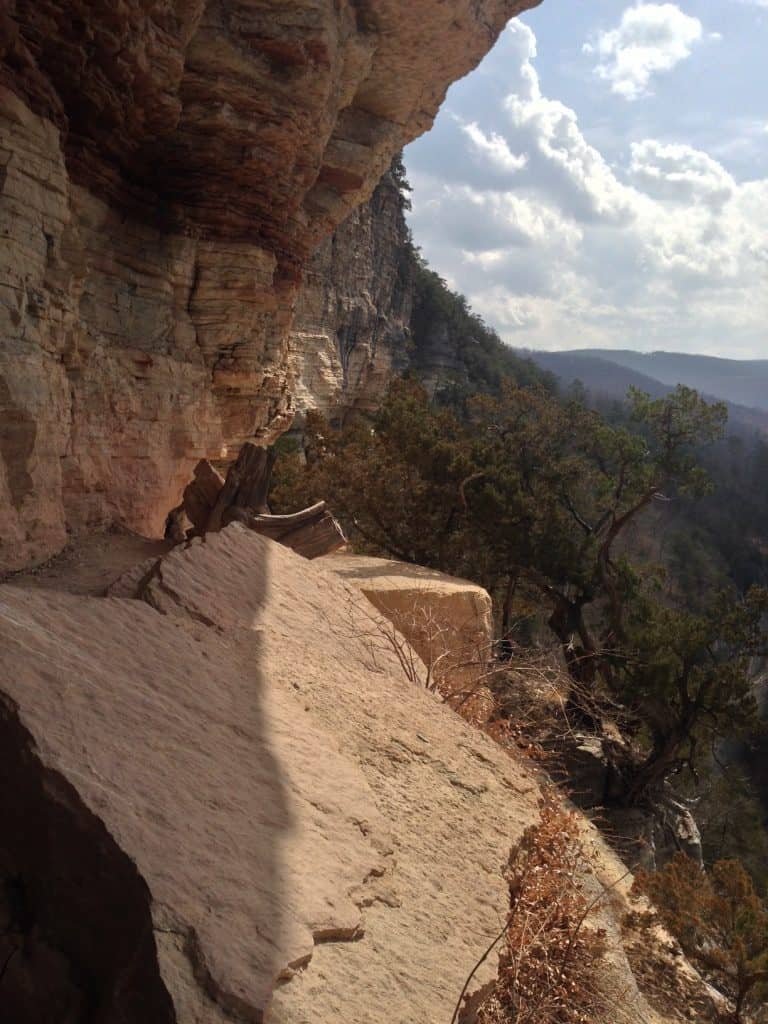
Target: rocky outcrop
[[448, 621], [370, 309], [224, 807], [359, 321], [166, 168], [351, 331]]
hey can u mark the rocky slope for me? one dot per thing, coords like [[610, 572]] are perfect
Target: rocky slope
[[225, 802], [166, 168]]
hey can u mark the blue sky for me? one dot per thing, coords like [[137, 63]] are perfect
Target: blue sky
[[601, 179]]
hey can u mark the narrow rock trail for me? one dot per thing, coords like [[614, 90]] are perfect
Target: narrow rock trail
[[318, 838], [91, 563]]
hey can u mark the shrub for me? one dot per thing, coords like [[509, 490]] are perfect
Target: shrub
[[551, 957], [721, 924]]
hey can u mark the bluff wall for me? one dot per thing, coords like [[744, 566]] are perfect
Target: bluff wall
[[351, 330], [166, 169], [371, 309]]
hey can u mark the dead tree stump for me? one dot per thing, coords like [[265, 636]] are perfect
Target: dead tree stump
[[212, 502]]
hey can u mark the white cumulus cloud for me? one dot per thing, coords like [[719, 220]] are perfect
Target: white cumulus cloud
[[495, 147], [649, 39], [557, 247], [678, 171]]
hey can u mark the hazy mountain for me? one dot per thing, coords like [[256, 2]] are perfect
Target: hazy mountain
[[601, 376], [744, 382], [610, 373]]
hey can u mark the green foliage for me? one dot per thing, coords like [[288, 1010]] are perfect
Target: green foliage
[[730, 523], [728, 813], [399, 176], [395, 482], [721, 923], [718, 536], [520, 491], [687, 677], [573, 485], [441, 316], [675, 425]]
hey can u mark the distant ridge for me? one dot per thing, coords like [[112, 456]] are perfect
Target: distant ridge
[[608, 373], [744, 382], [600, 375]]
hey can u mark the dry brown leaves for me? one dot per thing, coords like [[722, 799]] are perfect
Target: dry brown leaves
[[551, 956]]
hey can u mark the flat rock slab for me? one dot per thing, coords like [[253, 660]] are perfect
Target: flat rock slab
[[304, 820], [247, 825]]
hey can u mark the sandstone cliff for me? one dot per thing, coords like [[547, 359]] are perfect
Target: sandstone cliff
[[370, 309], [351, 330], [166, 168]]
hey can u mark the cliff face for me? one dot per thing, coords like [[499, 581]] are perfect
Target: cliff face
[[351, 330], [166, 168], [359, 321], [370, 309]]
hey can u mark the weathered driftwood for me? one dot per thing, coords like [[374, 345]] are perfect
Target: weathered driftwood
[[211, 502], [311, 532], [315, 539], [279, 525]]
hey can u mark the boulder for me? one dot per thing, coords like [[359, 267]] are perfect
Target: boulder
[[201, 494], [448, 621], [587, 768]]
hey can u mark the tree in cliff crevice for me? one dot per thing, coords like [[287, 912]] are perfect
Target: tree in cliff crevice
[[400, 178]]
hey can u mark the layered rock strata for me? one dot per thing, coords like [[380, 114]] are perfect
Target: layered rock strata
[[227, 807], [351, 330], [166, 168]]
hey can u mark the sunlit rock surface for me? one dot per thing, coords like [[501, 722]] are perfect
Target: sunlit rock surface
[[221, 801]]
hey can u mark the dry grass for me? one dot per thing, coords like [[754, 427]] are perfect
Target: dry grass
[[552, 955]]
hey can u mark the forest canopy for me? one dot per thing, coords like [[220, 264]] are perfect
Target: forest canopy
[[547, 504]]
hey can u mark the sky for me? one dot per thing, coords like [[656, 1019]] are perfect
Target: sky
[[601, 179]]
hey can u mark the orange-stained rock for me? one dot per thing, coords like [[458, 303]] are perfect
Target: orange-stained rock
[[166, 168]]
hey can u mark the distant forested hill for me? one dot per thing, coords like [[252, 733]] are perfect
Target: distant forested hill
[[609, 374], [599, 374], [741, 381]]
